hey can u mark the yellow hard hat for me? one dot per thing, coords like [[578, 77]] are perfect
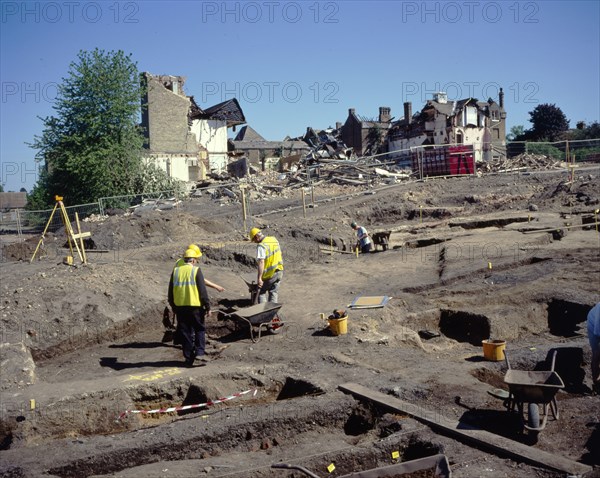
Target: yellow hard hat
[[191, 253], [194, 247], [253, 232]]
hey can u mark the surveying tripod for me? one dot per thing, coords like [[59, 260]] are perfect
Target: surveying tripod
[[71, 236]]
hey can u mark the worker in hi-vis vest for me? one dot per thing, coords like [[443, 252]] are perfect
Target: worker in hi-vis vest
[[189, 300], [270, 265], [177, 340]]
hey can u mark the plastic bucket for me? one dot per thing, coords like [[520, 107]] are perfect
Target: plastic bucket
[[338, 326], [493, 349]]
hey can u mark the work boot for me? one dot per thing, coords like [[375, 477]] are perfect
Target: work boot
[[189, 363]]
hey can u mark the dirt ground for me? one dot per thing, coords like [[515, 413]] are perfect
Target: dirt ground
[[505, 257]]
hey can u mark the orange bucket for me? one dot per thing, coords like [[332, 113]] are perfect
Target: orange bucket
[[493, 349]]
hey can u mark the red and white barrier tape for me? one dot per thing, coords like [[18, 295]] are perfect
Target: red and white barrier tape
[[210, 403]]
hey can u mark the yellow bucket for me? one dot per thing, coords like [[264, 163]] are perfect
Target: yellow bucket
[[338, 326], [493, 349]]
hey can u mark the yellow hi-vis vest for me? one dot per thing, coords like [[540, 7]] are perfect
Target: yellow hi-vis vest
[[185, 291], [273, 259]]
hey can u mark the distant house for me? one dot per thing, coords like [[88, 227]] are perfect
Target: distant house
[[366, 136], [258, 150], [442, 122], [181, 138], [12, 200]]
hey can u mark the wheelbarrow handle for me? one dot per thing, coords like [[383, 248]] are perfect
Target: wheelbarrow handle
[[553, 360], [287, 466]]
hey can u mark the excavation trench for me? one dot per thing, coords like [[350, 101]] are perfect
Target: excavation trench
[[136, 407], [353, 431]]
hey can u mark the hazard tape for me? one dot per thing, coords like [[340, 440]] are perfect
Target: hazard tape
[[210, 403]]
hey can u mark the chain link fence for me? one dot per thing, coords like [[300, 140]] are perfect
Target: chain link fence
[[34, 222], [127, 201], [587, 150]]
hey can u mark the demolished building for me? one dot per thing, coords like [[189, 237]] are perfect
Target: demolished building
[[260, 152], [183, 139], [366, 136], [481, 124]]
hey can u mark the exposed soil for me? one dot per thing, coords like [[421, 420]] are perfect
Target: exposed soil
[[499, 256]]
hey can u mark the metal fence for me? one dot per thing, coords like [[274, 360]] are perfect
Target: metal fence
[[33, 222], [571, 151], [129, 200]]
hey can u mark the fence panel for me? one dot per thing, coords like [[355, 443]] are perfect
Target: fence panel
[[129, 200], [575, 150], [33, 222]]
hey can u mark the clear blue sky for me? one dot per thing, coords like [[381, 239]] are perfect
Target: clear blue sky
[[298, 64]]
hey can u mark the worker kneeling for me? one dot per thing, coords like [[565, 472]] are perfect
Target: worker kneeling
[[270, 266], [189, 300]]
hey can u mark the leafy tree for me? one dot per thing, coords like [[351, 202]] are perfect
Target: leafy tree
[[586, 132], [92, 147], [40, 196], [516, 132], [549, 123], [1, 188]]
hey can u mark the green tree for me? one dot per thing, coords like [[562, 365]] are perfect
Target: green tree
[[92, 147], [516, 132], [549, 123], [586, 132]]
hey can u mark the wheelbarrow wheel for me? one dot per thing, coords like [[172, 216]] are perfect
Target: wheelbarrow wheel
[[533, 415]]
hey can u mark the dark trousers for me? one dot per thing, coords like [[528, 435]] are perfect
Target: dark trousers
[[190, 321], [366, 248]]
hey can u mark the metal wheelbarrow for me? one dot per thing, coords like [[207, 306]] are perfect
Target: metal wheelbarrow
[[260, 316], [528, 390]]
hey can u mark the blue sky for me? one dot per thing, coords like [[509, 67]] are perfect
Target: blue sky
[[305, 63]]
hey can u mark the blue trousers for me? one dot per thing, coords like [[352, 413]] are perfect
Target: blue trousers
[[193, 331]]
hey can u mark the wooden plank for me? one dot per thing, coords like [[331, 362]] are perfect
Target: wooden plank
[[81, 235], [468, 433]]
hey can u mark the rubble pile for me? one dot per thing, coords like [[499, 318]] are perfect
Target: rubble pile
[[522, 162]]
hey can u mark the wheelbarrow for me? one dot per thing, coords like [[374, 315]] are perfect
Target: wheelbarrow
[[528, 391], [265, 316], [437, 465], [381, 239]]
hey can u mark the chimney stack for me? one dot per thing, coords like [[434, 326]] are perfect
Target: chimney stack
[[385, 114], [501, 98], [350, 111], [408, 112]]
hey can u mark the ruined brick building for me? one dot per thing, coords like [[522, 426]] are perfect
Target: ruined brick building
[[183, 139], [481, 124], [469, 121]]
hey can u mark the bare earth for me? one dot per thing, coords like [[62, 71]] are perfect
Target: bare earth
[[500, 257]]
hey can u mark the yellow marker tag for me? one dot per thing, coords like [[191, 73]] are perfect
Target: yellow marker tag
[[395, 455], [32, 404], [330, 468], [489, 265]]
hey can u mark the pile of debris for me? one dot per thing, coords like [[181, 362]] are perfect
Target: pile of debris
[[522, 162]]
